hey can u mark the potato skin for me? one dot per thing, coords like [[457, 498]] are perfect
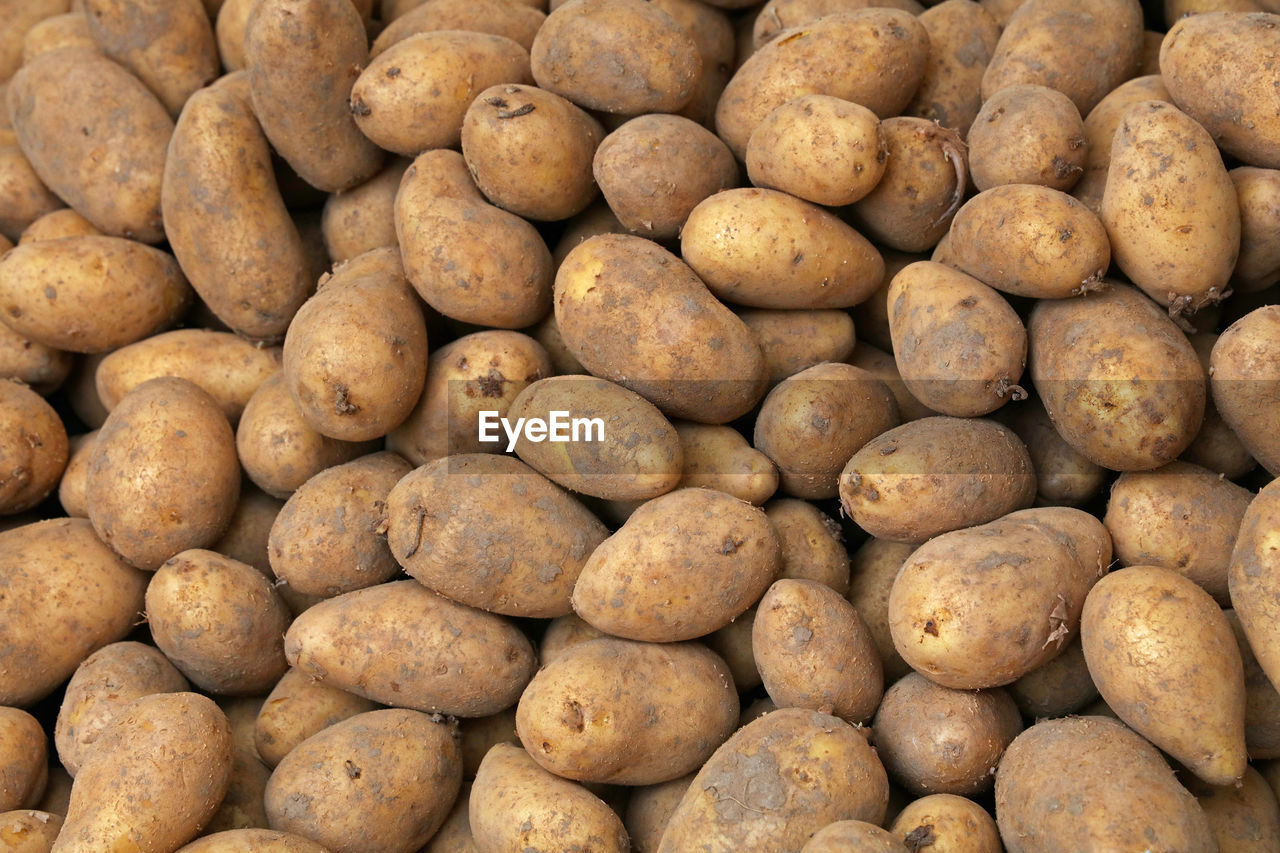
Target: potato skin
[[872, 569], [137, 783], [1027, 134], [749, 795], [1252, 578], [363, 218], [324, 43], [1128, 390], [1258, 265], [26, 199], [252, 840], [90, 293], [111, 170], [297, 708], [23, 755], [534, 538], [475, 672], [962, 40], [936, 474], [30, 830], [515, 21], [638, 713], [650, 580], [1244, 382], [140, 503], [793, 340], [956, 824], [1056, 688], [330, 787], [718, 457], [1064, 477], [33, 448], [1127, 797], [648, 810]]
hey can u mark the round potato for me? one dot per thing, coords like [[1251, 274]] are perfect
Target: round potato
[[30, 830], [23, 755], [252, 840], [26, 199], [962, 40], [33, 448], [718, 457], [1064, 477], [852, 835], [515, 21], [1246, 384], [1057, 688], [363, 217], [1027, 134], [793, 340], [298, 707], [953, 825], [63, 222]]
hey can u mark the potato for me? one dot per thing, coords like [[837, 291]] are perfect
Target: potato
[[465, 662], [1197, 61], [647, 581], [846, 56], [225, 217], [962, 40], [793, 340], [90, 294], [621, 712], [20, 18], [167, 45], [818, 148], [29, 831], [953, 825], [137, 786], [1056, 688], [1244, 816], [527, 561], [1027, 134], [1118, 379], [814, 651], [71, 488], [107, 681], [1244, 382], [323, 43], [228, 30], [480, 734], [649, 809], [1145, 628], [335, 786], [297, 708], [923, 185], [882, 366], [242, 807], [229, 644], [63, 222], [1051, 43], [1262, 700], [1050, 246], [933, 475], [812, 422], [253, 840], [712, 34], [872, 568], [1121, 793], [934, 740], [777, 781], [625, 450], [1258, 264], [617, 56], [363, 218], [57, 794], [228, 367], [616, 281], [654, 169], [1177, 252], [1100, 130], [25, 197], [778, 15], [852, 835], [1064, 477], [142, 504], [516, 805], [515, 21], [562, 634], [33, 448], [110, 169], [23, 755], [277, 448], [412, 97], [766, 249], [355, 354], [1251, 578], [733, 644], [718, 457], [1180, 517]]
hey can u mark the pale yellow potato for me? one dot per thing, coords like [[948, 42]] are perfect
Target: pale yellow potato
[[713, 35], [718, 457], [852, 835], [882, 366], [253, 840], [962, 39], [1243, 817], [24, 757], [1027, 134], [71, 487], [954, 825], [516, 21], [1246, 385], [872, 569], [733, 644], [63, 222], [228, 30], [1258, 265], [1262, 700], [29, 830]]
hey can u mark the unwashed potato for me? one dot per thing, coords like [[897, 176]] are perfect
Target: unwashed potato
[[122, 131], [298, 707], [733, 644], [516, 21], [814, 651], [617, 56], [1145, 629], [872, 570], [882, 366], [846, 56], [952, 824], [649, 580], [63, 222], [478, 735], [323, 43], [107, 681], [137, 786], [1262, 700], [1057, 688], [246, 536], [67, 595], [1174, 226], [1243, 817], [962, 40], [1027, 134], [621, 282], [336, 786], [563, 633], [24, 757], [766, 249], [1246, 385], [718, 457], [142, 504], [29, 830], [412, 97], [1252, 578], [1064, 477], [793, 340], [22, 17], [466, 662], [227, 366], [71, 487], [242, 807], [26, 199], [363, 217], [90, 293], [934, 740], [228, 30], [811, 423], [852, 835], [1100, 130], [1257, 191], [1123, 795], [936, 474], [33, 448], [622, 712], [252, 840], [768, 787], [649, 809], [1117, 377], [713, 34]]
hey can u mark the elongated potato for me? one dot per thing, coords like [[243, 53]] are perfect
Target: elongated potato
[[298, 707], [110, 169], [962, 40], [1262, 700], [26, 199], [793, 340], [1246, 384], [515, 21], [718, 457], [872, 570], [1258, 266], [363, 217], [1100, 129], [24, 756], [33, 448]]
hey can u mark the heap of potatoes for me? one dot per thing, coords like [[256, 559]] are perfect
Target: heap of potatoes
[[936, 359]]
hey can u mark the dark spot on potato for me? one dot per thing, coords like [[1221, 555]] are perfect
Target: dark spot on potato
[[919, 838], [931, 628], [359, 107], [491, 384], [342, 405], [353, 772], [393, 72], [522, 110]]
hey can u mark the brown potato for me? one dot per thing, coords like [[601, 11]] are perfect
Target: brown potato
[[29, 830], [20, 17], [23, 755], [1251, 579], [246, 537], [530, 151], [872, 569], [90, 293], [852, 835], [1100, 130], [1243, 817], [712, 33], [778, 15], [733, 644], [793, 340], [1064, 477], [63, 222], [478, 735], [1145, 629], [649, 809], [1258, 193], [363, 217], [298, 707], [962, 40], [813, 422], [25, 198], [33, 448], [242, 807], [562, 634], [123, 131], [252, 840], [718, 457], [229, 29], [515, 21], [468, 663], [953, 825], [141, 503], [1246, 385], [71, 488], [882, 366], [1262, 700], [1057, 688], [936, 474], [1027, 134]]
